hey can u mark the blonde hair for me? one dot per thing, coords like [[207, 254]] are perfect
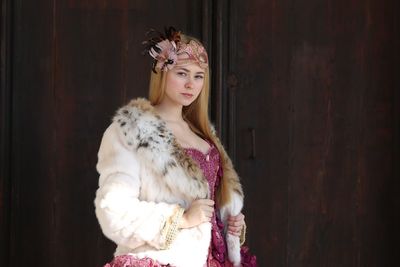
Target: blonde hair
[[196, 115]]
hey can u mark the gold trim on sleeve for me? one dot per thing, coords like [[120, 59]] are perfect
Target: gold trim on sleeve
[[170, 229], [243, 235]]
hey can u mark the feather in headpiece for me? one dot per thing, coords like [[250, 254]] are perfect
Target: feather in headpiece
[[165, 49]]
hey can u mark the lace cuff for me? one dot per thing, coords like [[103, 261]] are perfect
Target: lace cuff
[[242, 237], [170, 229]]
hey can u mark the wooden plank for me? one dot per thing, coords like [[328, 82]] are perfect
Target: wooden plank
[[259, 60], [342, 133], [91, 63], [5, 130], [316, 85], [33, 170]]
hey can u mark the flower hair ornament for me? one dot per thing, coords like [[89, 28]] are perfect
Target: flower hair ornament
[[168, 50]]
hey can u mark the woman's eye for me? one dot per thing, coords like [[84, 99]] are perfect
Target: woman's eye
[[182, 74], [199, 76]]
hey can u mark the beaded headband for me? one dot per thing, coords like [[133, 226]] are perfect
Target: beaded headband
[[168, 50]]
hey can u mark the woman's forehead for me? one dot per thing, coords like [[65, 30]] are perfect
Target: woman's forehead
[[190, 67]]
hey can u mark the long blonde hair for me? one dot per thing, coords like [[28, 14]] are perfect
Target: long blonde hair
[[196, 115]]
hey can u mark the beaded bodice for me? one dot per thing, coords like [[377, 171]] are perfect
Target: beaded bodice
[[211, 167], [209, 164]]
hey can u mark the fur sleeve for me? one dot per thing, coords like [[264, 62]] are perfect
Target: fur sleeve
[[123, 217]]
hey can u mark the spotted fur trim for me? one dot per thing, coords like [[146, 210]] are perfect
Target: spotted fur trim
[[147, 134]]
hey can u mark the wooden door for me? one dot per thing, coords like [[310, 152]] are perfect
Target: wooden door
[[313, 97]]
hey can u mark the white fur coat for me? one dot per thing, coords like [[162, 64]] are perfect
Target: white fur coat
[[144, 176]]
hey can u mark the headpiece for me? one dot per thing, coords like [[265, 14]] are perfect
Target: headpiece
[[168, 50]]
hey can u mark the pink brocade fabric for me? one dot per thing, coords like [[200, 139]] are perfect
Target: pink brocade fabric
[[210, 164], [131, 261]]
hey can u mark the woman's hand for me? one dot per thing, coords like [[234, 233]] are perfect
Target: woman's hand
[[235, 224], [201, 210]]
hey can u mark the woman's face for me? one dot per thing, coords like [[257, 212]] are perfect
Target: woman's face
[[183, 84]]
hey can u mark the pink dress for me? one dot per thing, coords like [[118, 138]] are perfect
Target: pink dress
[[210, 164]]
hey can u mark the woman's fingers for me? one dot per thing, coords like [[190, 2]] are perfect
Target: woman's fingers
[[199, 211], [206, 207], [236, 220], [235, 228], [234, 231], [235, 224], [207, 214], [239, 217]]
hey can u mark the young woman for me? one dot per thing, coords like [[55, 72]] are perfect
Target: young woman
[[168, 194]]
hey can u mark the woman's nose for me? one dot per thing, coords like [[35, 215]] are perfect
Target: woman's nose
[[189, 84]]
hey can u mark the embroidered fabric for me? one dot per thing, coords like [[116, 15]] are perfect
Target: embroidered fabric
[[211, 166], [131, 261]]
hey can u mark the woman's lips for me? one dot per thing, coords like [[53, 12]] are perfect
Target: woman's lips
[[187, 95]]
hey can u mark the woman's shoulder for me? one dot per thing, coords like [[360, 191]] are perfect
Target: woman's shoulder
[[139, 125], [138, 113], [134, 110]]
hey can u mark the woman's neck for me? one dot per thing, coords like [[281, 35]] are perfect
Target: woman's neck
[[169, 112]]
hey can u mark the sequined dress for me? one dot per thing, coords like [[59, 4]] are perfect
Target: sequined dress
[[211, 166]]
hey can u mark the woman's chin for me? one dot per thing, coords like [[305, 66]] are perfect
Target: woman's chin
[[187, 103]]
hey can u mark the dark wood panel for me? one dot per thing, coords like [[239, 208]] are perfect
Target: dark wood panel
[[391, 214], [91, 75], [316, 84], [34, 173], [343, 130], [5, 130], [260, 61]]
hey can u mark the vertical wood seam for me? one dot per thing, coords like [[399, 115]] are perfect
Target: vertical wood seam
[[53, 86], [217, 85], [232, 84], [14, 204], [6, 126]]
